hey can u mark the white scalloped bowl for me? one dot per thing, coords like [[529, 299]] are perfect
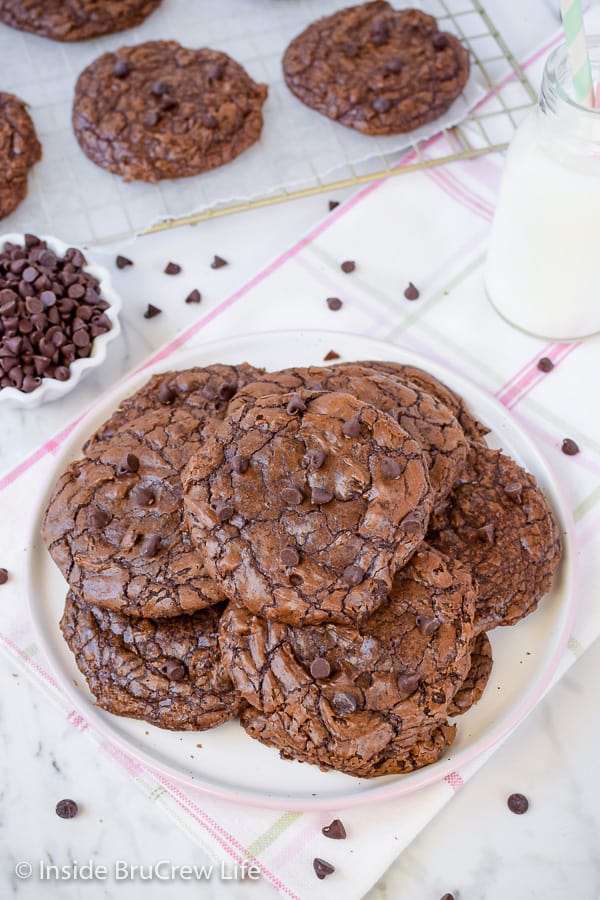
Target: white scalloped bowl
[[51, 388]]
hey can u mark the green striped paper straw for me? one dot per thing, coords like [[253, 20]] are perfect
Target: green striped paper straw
[[581, 70]]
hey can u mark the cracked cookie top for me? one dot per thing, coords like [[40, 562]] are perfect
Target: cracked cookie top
[[499, 524], [422, 416], [358, 698], [159, 110], [114, 524], [19, 151], [305, 504], [376, 69], [167, 672], [77, 20]]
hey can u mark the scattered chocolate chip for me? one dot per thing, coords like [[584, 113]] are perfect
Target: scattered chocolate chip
[[344, 703], [382, 104], [99, 518], [427, 624], [335, 830], [320, 668], [333, 204], [172, 269], [348, 266], [121, 68], [390, 469], [295, 405], [66, 809], [545, 364], [411, 292], [314, 458], [353, 575], [331, 355], [166, 393], [292, 495], [569, 447], [224, 511], [218, 262], [239, 464], [152, 311], [351, 427], [334, 303], [122, 262], [3, 576], [290, 556], [320, 496], [173, 669], [518, 804], [407, 685], [152, 546], [486, 533], [448, 897], [322, 868], [194, 296], [440, 41]]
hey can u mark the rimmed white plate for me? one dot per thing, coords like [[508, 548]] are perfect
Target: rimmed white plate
[[229, 763]]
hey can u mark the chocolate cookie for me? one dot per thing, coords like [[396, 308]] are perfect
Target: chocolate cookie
[[159, 110], [423, 417], [114, 524], [305, 504], [362, 700], [499, 524], [375, 69], [168, 673], [77, 20], [427, 382], [19, 151], [472, 688]]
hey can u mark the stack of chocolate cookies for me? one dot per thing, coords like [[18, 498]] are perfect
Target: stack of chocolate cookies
[[320, 551]]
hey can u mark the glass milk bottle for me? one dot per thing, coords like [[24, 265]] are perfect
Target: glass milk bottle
[[543, 264]]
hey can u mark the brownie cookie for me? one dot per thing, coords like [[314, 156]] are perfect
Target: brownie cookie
[[172, 408], [427, 382], [375, 69], [305, 504], [114, 524], [499, 524], [423, 417], [77, 20], [19, 151], [472, 688], [168, 672], [159, 110], [360, 700]]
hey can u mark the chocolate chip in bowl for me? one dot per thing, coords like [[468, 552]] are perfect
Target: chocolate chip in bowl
[[58, 312]]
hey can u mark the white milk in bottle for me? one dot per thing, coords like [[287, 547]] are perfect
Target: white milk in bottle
[[543, 264]]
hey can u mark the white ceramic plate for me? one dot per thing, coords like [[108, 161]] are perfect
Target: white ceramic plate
[[52, 388], [231, 764]]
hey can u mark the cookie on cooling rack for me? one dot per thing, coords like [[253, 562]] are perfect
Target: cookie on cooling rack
[[77, 20], [19, 151]]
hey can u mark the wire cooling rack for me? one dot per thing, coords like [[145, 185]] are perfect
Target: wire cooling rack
[[299, 153], [488, 127]]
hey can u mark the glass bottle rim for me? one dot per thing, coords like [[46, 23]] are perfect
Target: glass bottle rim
[[557, 70]]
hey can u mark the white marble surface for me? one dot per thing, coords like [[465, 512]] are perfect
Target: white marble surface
[[475, 848]]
